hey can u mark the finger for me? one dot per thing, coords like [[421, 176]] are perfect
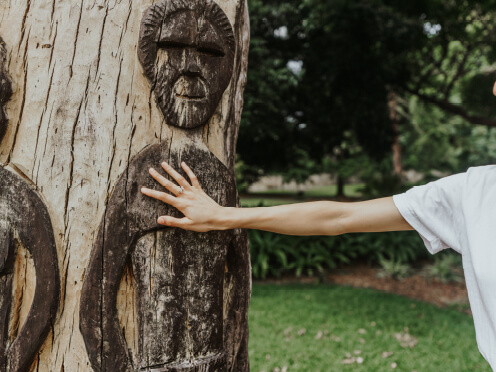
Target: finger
[[164, 182], [179, 179], [183, 223], [162, 196], [191, 175]]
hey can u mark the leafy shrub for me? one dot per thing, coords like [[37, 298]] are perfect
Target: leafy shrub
[[268, 252], [447, 267], [393, 268], [274, 254]]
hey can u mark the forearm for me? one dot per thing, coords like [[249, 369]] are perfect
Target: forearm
[[319, 218], [315, 218]]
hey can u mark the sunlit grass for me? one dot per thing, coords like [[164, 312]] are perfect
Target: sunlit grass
[[314, 328]]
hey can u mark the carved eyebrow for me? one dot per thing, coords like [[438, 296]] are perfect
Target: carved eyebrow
[[171, 44], [212, 49]]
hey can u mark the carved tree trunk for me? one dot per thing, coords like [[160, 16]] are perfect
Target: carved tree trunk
[[82, 111]]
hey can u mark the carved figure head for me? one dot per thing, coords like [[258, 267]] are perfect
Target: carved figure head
[[187, 51], [5, 89]]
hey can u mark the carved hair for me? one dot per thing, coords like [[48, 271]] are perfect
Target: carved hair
[[5, 88]]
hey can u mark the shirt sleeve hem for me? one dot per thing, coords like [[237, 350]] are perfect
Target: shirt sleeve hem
[[432, 242]]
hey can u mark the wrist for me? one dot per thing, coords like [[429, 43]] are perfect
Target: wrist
[[226, 218]]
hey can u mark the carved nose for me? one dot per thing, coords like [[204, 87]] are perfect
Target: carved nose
[[192, 68]]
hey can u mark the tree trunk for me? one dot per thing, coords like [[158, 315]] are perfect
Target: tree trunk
[[340, 184], [395, 120], [85, 122]]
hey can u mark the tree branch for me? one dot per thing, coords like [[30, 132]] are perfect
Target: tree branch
[[457, 110]]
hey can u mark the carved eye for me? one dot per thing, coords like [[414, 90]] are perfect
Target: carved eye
[[211, 51], [168, 44]]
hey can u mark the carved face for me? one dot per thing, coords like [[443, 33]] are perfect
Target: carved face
[[5, 89], [187, 52]]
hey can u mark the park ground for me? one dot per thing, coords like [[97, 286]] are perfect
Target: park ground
[[328, 327]]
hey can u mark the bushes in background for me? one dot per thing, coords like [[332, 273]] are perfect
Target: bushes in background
[[273, 255]]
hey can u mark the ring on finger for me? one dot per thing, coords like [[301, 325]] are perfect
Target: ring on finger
[[181, 189]]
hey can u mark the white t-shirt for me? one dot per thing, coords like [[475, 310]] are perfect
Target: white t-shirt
[[459, 212]]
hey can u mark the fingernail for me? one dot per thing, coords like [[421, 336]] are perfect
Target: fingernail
[[165, 164], [151, 170], [143, 189], [161, 220]]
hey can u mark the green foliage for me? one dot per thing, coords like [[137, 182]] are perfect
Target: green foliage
[[447, 267], [436, 141], [393, 268], [432, 140], [245, 174], [380, 181], [332, 114], [267, 249], [474, 93], [273, 255]]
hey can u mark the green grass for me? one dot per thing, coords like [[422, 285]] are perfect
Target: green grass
[[358, 320]]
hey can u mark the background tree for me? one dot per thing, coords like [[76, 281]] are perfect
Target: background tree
[[322, 74]]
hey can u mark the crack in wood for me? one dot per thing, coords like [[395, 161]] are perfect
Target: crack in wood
[[76, 40], [101, 41]]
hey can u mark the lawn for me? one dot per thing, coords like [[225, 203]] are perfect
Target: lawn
[[318, 327]]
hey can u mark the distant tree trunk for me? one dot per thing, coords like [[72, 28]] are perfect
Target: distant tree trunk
[[394, 116], [82, 109], [340, 184]]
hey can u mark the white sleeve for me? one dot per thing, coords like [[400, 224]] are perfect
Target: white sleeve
[[435, 211]]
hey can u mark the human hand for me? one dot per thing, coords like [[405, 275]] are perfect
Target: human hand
[[200, 211]]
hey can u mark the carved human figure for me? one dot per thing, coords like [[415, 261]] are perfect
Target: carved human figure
[[24, 220], [190, 308]]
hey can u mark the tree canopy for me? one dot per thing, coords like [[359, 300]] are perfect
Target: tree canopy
[[321, 71]]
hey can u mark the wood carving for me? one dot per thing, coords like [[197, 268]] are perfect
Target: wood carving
[[24, 220], [5, 90], [187, 51], [187, 321]]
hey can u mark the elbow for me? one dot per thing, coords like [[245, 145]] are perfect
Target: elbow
[[341, 223]]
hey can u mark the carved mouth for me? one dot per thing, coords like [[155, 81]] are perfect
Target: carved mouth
[[190, 89], [190, 97]]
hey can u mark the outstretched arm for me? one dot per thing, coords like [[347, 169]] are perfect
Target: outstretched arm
[[316, 218]]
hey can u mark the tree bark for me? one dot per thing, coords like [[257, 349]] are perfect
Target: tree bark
[[82, 112]]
